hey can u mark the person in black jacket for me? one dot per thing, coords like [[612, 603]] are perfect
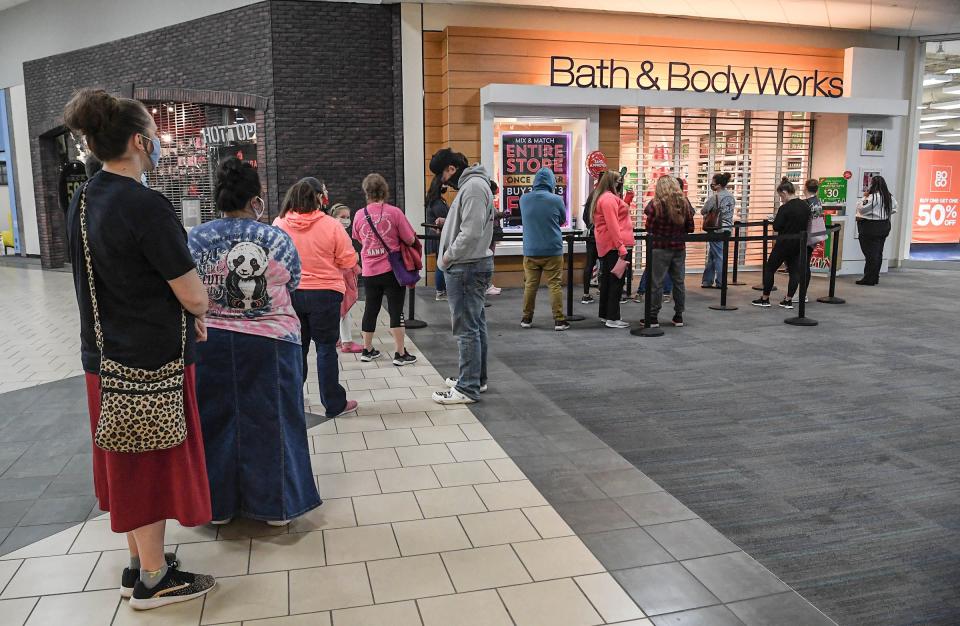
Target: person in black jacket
[[792, 218], [437, 210]]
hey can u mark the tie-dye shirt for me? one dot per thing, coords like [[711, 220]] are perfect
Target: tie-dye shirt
[[250, 270]]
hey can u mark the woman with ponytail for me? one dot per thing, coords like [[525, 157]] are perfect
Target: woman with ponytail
[[669, 218], [249, 373], [793, 217], [873, 227]]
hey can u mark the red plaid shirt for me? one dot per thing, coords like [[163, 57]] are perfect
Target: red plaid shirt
[[660, 225]]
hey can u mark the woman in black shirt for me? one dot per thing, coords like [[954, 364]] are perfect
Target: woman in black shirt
[[144, 278], [792, 218], [437, 210]]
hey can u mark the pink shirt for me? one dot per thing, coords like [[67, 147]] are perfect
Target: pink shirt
[[613, 228], [392, 225]]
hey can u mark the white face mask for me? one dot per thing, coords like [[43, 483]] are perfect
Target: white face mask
[[263, 208], [345, 221]]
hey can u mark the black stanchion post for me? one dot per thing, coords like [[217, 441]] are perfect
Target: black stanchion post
[[736, 255], [411, 320], [834, 253], [766, 236], [571, 317], [723, 285], [802, 319], [645, 330], [629, 284]]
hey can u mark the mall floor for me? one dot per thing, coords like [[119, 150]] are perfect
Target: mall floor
[[605, 479]]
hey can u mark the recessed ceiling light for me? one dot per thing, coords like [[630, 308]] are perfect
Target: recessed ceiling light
[[933, 141], [169, 109], [950, 104], [953, 70], [935, 117], [933, 125], [930, 80], [951, 90], [926, 131], [950, 134]]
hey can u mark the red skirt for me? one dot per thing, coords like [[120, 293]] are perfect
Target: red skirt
[[142, 488]]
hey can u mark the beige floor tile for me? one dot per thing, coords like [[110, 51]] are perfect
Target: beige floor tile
[[451, 416], [449, 501], [407, 381], [389, 507], [417, 405], [408, 578], [363, 543], [92, 608], [286, 552], [490, 529], [51, 574], [15, 612], [396, 393], [365, 460], [608, 597], [53, 545], [217, 558], [338, 443], [7, 570], [367, 383], [330, 463], [480, 608], [557, 558], [383, 372], [348, 485], [96, 536], [396, 614], [458, 474], [426, 392], [182, 614], [243, 528], [428, 536], [476, 450], [306, 619], [547, 522], [390, 438], [328, 588], [358, 423], [177, 534], [333, 513], [439, 434], [485, 568], [422, 368], [348, 365], [359, 396], [510, 495], [329, 427], [505, 469], [553, 603], [247, 597], [424, 455], [407, 479], [379, 408], [406, 420], [475, 432]]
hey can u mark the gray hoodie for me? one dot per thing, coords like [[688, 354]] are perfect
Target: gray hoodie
[[468, 229], [723, 201]]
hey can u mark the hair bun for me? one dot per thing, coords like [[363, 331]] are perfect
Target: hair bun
[[784, 180], [91, 111]]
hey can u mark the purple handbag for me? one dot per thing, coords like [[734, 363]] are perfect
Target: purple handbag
[[404, 276]]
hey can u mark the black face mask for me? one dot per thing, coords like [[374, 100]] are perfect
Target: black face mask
[[454, 181]]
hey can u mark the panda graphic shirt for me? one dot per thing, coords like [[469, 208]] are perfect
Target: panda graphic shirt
[[250, 270]]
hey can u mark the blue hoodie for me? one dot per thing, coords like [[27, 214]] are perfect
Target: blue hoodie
[[543, 214]]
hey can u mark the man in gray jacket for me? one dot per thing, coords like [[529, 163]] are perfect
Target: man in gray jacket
[[467, 263]]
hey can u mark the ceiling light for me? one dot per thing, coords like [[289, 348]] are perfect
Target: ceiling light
[[933, 141], [919, 108], [928, 131], [169, 109], [934, 125], [953, 70], [935, 117], [166, 138], [154, 110], [930, 80], [952, 90], [950, 134], [950, 104]]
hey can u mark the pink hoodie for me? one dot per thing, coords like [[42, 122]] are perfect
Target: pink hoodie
[[324, 247], [613, 228]]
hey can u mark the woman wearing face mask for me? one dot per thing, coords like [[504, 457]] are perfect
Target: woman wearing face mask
[[325, 251], [143, 278], [793, 217], [249, 373], [341, 213]]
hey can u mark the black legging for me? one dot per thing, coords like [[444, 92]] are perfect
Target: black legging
[[611, 287], [590, 263], [374, 288], [783, 252], [792, 287], [873, 234]]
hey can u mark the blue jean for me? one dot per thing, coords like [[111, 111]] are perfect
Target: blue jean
[[440, 281], [250, 396], [667, 282], [713, 272], [467, 284], [319, 313]]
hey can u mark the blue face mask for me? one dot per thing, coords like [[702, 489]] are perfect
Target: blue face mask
[[155, 150]]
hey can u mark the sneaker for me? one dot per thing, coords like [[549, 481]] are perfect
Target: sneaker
[[493, 291], [451, 396], [350, 407], [370, 355], [587, 299], [526, 323], [560, 325], [403, 359], [786, 303], [654, 323], [678, 320], [351, 348], [215, 522], [441, 296], [666, 297], [638, 298], [176, 586], [616, 324], [452, 382], [279, 523], [623, 299], [761, 302], [129, 578], [603, 320]]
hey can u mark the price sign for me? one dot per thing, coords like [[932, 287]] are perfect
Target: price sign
[[937, 197], [833, 191]]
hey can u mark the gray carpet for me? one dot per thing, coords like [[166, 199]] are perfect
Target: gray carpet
[[830, 454]]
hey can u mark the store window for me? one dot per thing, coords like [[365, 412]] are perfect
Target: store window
[[194, 139], [935, 235]]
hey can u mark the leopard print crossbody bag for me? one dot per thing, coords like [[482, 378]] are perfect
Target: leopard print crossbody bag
[[140, 409]]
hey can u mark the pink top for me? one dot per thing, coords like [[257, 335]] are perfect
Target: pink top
[[613, 228], [392, 225], [324, 246]]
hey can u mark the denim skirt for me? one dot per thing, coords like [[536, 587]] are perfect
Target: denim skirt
[[250, 394]]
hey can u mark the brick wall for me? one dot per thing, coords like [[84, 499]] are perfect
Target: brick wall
[[329, 72]]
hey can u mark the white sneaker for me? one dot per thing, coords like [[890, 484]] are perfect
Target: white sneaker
[[280, 523], [617, 324], [452, 382], [451, 396], [493, 290], [221, 522]]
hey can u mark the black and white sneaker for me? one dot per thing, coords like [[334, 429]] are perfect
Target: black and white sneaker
[[452, 382], [561, 325], [587, 299], [403, 359], [176, 586], [786, 303], [130, 577], [441, 296], [762, 302], [370, 355], [526, 322], [678, 320]]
